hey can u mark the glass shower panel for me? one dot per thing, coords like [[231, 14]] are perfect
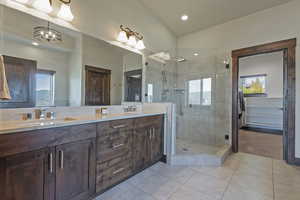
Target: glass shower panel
[[202, 114], [160, 81], [200, 89]]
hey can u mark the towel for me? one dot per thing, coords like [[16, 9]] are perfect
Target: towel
[[4, 90]]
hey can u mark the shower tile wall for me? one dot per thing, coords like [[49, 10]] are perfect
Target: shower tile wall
[[205, 124]]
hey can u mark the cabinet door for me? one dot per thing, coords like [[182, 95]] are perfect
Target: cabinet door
[[156, 143], [27, 176], [75, 170], [141, 148]]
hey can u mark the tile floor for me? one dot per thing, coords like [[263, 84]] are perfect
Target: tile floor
[[243, 177]]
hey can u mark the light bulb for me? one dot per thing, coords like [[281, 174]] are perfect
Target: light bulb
[[122, 37], [22, 1], [65, 12], [132, 41], [140, 45], [43, 5]]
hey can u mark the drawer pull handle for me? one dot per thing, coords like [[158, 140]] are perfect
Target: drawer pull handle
[[51, 162], [119, 126], [118, 171], [61, 155], [117, 146]]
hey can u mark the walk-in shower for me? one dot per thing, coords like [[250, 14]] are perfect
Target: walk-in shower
[[200, 89]]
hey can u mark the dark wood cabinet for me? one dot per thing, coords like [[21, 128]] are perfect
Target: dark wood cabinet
[[60, 164], [27, 176], [77, 162], [114, 152], [75, 170], [147, 141], [126, 147]]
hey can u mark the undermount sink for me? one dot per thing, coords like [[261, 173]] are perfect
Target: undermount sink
[[46, 122]]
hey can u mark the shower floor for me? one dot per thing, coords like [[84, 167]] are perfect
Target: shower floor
[[191, 147], [192, 152]]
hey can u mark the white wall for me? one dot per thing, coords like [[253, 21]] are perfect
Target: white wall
[[48, 59], [132, 61], [98, 53], [278, 23], [270, 64]]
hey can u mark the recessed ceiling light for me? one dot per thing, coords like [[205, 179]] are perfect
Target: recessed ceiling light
[[35, 43], [196, 54], [184, 17]]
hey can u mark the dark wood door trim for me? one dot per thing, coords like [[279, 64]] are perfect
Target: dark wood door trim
[[289, 50]]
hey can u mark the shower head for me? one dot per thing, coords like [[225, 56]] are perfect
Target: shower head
[[180, 60]]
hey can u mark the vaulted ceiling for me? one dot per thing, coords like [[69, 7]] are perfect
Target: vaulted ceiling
[[204, 13]]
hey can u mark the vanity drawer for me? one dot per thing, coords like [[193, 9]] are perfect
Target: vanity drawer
[[109, 147], [115, 127], [112, 172], [114, 139], [148, 121]]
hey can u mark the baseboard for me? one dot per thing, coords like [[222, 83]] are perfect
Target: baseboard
[[263, 130], [164, 159]]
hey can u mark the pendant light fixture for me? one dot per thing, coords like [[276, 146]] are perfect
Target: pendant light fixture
[[131, 38], [46, 33], [45, 6]]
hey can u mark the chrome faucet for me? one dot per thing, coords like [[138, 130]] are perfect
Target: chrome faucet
[[40, 113], [130, 109]]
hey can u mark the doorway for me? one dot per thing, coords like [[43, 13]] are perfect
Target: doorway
[[133, 85], [97, 86], [287, 48]]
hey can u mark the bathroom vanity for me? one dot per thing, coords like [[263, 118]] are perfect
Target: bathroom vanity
[[77, 161]]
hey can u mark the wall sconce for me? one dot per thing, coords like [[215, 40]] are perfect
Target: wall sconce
[[131, 38], [45, 6]]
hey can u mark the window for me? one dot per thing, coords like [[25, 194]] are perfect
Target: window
[[45, 88], [254, 85], [150, 93], [199, 92]]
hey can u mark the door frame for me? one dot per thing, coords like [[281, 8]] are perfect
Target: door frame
[[289, 78], [98, 70]]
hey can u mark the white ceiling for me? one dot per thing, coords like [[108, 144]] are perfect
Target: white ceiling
[[204, 13]]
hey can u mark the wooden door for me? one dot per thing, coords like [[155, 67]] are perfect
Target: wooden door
[[97, 86], [28, 176], [20, 74], [75, 170], [141, 148]]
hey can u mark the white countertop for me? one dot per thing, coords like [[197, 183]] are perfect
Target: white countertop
[[7, 127]]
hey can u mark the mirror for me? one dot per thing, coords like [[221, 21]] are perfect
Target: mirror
[[77, 70]]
